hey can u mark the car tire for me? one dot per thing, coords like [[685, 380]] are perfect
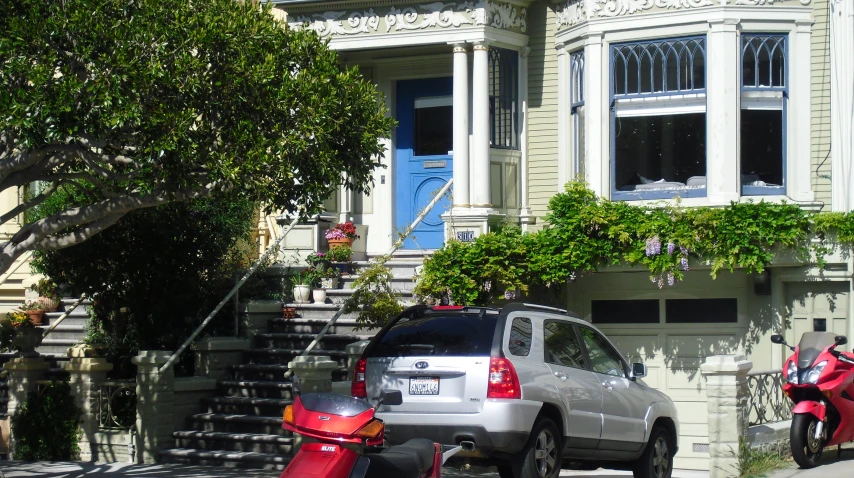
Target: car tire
[[657, 459], [543, 455]]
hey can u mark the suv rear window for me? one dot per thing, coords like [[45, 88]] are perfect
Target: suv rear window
[[460, 335]]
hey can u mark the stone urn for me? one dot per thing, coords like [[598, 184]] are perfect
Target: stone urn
[[302, 294], [26, 340]]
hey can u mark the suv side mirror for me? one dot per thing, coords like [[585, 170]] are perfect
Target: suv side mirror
[[391, 397], [638, 370], [841, 340], [778, 339]]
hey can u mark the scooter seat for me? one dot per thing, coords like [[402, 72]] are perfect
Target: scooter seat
[[412, 459]]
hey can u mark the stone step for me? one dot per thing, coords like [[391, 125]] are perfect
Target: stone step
[[345, 325], [397, 283], [258, 372], [228, 459], [301, 341], [256, 388], [223, 422], [54, 346], [400, 268], [66, 332], [283, 356], [231, 442], [246, 405]]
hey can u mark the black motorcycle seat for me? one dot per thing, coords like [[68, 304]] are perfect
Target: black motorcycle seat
[[411, 459]]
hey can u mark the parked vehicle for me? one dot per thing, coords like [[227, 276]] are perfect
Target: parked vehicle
[[342, 428], [531, 388], [820, 380]]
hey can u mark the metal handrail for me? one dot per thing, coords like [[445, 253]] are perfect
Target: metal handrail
[[64, 315], [14, 268], [272, 247], [383, 258]]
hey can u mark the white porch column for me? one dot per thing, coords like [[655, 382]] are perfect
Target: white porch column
[[597, 121], [562, 116], [799, 172], [842, 103], [461, 127], [723, 168], [480, 179], [525, 216]]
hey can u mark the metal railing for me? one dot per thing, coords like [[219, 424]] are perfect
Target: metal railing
[[25, 257], [64, 315], [270, 249], [117, 405], [766, 401], [383, 258]]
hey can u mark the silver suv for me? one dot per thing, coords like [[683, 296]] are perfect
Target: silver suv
[[532, 388]]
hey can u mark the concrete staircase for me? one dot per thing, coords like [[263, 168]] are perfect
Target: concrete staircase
[[70, 331], [242, 425]]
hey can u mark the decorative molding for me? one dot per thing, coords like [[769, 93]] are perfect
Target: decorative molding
[[573, 12], [503, 16]]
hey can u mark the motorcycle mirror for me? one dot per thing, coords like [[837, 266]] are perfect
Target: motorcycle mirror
[[841, 340], [778, 339], [391, 397]]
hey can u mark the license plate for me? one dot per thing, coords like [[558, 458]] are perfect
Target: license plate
[[424, 385]]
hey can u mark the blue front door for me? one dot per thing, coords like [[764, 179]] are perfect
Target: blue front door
[[424, 143]]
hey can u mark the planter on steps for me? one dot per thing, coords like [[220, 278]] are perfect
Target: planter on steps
[[319, 296], [302, 294]]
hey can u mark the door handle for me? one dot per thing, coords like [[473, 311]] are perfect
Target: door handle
[[560, 375], [608, 386]]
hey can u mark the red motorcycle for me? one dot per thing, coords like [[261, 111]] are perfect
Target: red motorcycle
[[341, 432], [820, 381]]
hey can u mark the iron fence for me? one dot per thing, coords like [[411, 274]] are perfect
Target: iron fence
[[767, 402], [117, 405]]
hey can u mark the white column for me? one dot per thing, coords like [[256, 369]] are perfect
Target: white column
[[727, 401], [480, 179], [597, 128], [562, 116], [842, 104], [799, 168], [524, 205], [461, 127], [723, 168]]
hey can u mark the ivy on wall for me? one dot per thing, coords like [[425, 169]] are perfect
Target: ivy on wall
[[587, 232]]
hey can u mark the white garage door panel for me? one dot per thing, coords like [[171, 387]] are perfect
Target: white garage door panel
[[645, 347], [700, 346]]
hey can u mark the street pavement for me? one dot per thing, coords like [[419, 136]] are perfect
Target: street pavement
[[18, 469], [830, 467]]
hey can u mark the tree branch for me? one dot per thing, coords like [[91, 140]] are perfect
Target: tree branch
[[29, 204], [53, 243]]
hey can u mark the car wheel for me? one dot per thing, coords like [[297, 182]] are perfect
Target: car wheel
[[657, 459], [542, 456]]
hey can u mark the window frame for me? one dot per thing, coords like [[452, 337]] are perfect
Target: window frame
[[574, 327], [576, 108], [509, 93], [762, 98], [512, 324], [640, 104], [623, 362]]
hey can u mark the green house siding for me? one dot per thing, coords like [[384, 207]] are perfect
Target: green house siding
[[820, 67], [542, 108]]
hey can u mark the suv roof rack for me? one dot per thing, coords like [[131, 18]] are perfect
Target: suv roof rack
[[514, 306]]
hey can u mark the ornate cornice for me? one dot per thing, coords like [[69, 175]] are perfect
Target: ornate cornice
[[415, 17], [573, 12]]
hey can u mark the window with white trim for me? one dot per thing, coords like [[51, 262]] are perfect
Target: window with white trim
[[764, 94], [658, 105], [576, 104]]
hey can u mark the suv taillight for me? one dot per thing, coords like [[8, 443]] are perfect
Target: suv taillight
[[503, 381], [358, 388]]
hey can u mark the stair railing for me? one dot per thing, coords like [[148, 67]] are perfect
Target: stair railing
[[385, 257], [62, 317], [270, 249], [15, 266]]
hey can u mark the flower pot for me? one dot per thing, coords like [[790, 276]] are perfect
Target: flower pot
[[48, 304], [35, 316], [289, 312], [319, 296], [342, 267], [333, 243], [26, 340], [302, 294], [329, 283]]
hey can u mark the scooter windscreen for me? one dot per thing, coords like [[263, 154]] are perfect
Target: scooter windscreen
[[811, 346], [334, 404]]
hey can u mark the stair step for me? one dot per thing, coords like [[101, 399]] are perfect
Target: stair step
[[255, 384], [229, 459], [230, 423], [297, 336], [258, 372], [246, 405], [278, 402], [250, 437]]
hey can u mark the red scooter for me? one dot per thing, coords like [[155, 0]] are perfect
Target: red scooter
[[820, 380], [342, 431]]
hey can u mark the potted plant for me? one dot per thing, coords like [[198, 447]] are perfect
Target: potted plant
[[340, 258], [48, 296], [304, 282], [318, 260], [34, 310], [21, 334], [328, 278], [342, 234]]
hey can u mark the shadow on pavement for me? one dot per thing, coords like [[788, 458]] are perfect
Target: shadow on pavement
[[15, 469]]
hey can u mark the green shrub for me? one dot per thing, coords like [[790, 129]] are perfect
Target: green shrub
[[47, 426]]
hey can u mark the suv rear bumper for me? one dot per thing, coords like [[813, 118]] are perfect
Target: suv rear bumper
[[501, 425]]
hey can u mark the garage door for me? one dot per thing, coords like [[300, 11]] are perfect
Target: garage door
[[673, 347], [817, 306]]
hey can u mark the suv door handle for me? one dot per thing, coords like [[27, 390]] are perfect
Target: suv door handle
[[560, 375]]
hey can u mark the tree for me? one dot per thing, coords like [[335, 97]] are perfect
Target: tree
[[144, 102]]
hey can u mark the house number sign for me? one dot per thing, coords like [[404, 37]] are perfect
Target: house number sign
[[465, 236]]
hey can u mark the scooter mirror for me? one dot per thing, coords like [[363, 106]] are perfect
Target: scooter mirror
[[778, 339], [392, 397], [841, 340]]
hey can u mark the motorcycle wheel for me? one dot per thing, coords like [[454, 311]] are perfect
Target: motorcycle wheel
[[806, 449]]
